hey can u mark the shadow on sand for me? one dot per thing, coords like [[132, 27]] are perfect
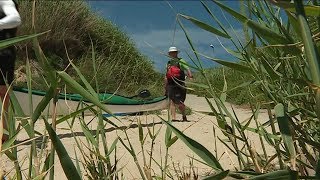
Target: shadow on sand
[[39, 140]]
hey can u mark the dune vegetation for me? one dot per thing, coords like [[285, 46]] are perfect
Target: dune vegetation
[[73, 29], [279, 59], [278, 68]]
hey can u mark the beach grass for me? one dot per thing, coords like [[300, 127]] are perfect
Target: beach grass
[[290, 82]]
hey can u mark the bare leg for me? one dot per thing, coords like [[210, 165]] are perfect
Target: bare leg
[[3, 91], [172, 110], [182, 109]]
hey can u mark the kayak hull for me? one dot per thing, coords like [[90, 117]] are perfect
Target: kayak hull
[[66, 106]]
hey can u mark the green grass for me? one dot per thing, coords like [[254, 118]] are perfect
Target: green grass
[[283, 75], [237, 94], [73, 26], [272, 60]]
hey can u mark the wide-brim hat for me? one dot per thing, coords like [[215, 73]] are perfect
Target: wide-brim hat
[[173, 49]]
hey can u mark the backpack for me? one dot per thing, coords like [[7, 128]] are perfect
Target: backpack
[[174, 71]]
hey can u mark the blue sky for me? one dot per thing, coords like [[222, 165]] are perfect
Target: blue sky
[[151, 26]]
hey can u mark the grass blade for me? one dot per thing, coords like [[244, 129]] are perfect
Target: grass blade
[[77, 162], [221, 121], [77, 87], [88, 134], [172, 141], [67, 165], [318, 169], [43, 104], [270, 135], [232, 65], [247, 124], [214, 17], [310, 10], [10, 141], [83, 79], [196, 147], [205, 26], [245, 84], [269, 35], [294, 24], [113, 146], [266, 137], [16, 106], [282, 174], [49, 71], [73, 114], [140, 131], [284, 128], [190, 42], [311, 51], [11, 41], [236, 54], [271, 72], [220, 175], [235, 14], [223, 96], [200, 85], [46, 166]]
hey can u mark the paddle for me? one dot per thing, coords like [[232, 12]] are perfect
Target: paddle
[[143, 94]]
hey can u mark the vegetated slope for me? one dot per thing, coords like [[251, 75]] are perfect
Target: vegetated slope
[[237, 93], [120, 66]]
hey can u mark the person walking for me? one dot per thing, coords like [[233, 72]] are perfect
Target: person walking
[[175, 82], [9, 21]]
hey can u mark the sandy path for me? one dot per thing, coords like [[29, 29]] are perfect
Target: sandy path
[[200, 128]]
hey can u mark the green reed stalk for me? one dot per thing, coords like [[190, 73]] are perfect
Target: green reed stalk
[[164, 172], [13, 132], [215, 141], [153, 137], [54, 120], [235, 144], [168, 135], [100, 123], [312, 54], [133, 154], [276, 142], [33, 150], [258, 128], [142, 140], [105, 146]]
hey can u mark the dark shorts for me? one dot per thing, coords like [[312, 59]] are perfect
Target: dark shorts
[[176, 93], [7, 61]]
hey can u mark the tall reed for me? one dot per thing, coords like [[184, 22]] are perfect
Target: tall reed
[[274, 60]]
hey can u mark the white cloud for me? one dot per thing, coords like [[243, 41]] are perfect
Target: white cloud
[[161, 40]]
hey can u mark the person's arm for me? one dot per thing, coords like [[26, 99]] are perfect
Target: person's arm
[[189, 74], [12, 18], [166, 82], [185, 67]]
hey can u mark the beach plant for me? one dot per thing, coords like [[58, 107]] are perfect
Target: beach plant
[[12, 130], [40, 162], [282, 58], [73, 26], [238, 93], [40, 169]]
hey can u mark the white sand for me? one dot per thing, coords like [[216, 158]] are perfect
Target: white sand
[[200, 128]]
